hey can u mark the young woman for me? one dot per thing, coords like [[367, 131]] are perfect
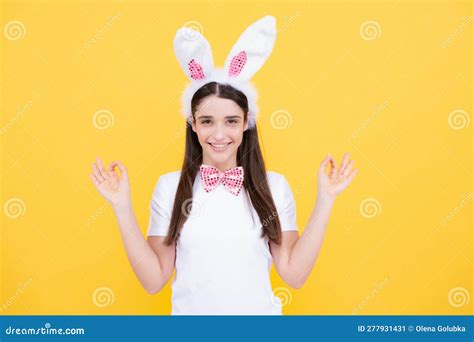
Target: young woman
[[222, 220]]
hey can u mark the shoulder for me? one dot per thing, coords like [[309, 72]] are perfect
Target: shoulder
[[170, 177], [276, 180], [279, 185], [280, 190], [167, 182]]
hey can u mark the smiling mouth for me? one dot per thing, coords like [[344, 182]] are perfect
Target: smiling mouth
[[219, 147]]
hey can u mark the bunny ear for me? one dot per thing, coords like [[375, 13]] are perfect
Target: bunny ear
[[193, 53], [252, 49]]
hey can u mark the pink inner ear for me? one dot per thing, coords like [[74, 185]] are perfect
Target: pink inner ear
[[237, 63], [196, 70]]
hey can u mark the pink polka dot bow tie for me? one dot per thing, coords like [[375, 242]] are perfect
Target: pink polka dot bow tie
[[232, 179]]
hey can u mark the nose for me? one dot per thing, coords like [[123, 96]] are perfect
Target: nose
[[219, 132]]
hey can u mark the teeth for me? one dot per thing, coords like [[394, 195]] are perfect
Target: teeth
[[219, 146]]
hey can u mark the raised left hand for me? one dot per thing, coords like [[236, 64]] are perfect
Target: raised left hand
[[333, 183]]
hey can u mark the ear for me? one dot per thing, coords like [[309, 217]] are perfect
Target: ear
[[193, 53], [252, 49], [246, 125], [193, 126]]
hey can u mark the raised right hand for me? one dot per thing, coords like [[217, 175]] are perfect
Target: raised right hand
[[115, 189]]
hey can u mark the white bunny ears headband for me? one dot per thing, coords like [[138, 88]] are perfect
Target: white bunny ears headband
[[246, 57]]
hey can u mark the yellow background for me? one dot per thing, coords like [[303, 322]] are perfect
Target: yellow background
[[397, 95]]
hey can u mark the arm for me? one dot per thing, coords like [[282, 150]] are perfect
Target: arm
[[152, 261], [295, 257]]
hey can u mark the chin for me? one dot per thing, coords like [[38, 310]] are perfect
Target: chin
[[220, 157]]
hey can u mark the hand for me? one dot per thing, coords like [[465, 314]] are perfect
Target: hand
[[332, 184], [115, 189]]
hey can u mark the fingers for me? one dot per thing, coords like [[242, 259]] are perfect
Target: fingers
[[351, 175], [97, 173], [324, 163], [344, 169], [94, 179], [348, 168], [332, 173], [102, 170], [123, 169], [343, 165], [111, 169], [112, 166]]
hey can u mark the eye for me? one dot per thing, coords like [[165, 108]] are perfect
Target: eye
[[232, 121], [205, 122]]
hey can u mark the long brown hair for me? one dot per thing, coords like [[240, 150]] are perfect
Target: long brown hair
[[249, 156]]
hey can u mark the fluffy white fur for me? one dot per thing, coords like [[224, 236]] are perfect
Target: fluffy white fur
[[219, 75], [256, 41]]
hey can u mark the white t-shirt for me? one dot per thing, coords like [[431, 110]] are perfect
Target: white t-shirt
[[222, 264]]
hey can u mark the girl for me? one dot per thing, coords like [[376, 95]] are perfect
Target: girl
[[222, 220]]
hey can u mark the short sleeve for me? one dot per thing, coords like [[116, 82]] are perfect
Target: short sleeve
[[160, 209], [285, 204]]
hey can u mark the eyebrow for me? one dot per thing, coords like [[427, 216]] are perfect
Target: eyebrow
[[210, 117]]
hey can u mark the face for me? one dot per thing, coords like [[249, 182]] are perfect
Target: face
[[219, 124]]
